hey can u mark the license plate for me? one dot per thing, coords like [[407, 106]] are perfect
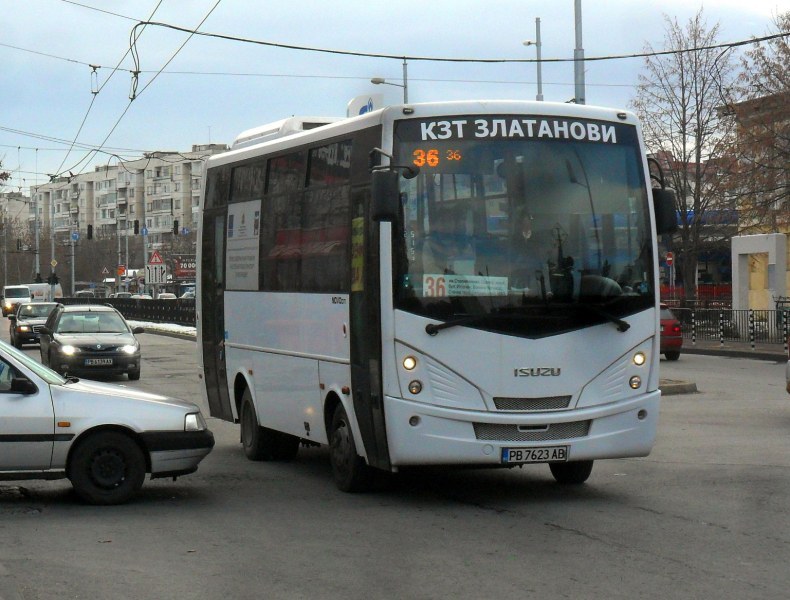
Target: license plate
[[513, 456], [95, 362]]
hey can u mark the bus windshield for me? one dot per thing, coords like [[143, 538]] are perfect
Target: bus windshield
[[525, 234]]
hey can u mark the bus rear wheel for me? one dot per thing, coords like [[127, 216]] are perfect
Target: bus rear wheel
[[262, 443], [571, 473], [349, 470]]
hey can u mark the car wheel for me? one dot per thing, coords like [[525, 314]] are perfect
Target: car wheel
[[16, 342], [349, 470], [107, 468], [571, 473], [673, 355], [134, 375]]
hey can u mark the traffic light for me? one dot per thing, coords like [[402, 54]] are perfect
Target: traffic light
[[52, 279], [136, 227], [19, 244], [175, 226], [90, 232]]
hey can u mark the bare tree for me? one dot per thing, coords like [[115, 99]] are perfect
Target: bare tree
[[763, 121], [678, 100]]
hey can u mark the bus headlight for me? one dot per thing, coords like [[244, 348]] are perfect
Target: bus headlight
[[640, 359], [635, 382], [415, 387], [409, 363]]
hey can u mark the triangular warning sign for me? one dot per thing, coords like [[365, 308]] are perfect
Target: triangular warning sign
[[155, 259]]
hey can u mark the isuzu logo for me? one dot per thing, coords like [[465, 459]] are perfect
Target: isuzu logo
[[537, 372]]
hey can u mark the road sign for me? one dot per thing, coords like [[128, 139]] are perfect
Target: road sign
[[121, 269], [155, 258], [53, 263], [155, 274], [184, 231], [670, 259], [75, 235], [144, 231], [105, 271]]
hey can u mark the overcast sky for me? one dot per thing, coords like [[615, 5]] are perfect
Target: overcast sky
[[214, 89]]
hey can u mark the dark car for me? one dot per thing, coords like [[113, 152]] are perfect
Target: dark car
[[27, 321], [90, 339], [671, 334]]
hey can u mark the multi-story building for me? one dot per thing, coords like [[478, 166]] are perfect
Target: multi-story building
[[156, 192]]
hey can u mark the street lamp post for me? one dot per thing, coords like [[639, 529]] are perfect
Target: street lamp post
[[538, 46], [404, 85]]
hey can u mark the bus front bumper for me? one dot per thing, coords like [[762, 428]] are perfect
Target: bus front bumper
[[422, 434]]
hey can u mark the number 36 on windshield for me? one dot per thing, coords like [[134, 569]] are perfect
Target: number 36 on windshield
[[434, 287]]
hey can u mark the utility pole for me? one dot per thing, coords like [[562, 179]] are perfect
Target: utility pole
[[578, 55]]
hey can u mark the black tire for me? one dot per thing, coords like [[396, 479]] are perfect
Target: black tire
[[673, 355], [571, 473], [134, 375], [107, 468], [349, 470], [17, 343], [262, 443]]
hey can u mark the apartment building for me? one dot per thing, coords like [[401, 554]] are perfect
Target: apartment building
[[156, 191]]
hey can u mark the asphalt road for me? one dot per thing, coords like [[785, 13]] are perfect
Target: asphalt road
[[704, 516]]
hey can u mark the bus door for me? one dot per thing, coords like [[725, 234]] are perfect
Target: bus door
[[365, 337], [213, 313]]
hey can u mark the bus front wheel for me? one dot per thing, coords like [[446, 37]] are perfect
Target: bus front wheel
[[349, 470], [572, 473]]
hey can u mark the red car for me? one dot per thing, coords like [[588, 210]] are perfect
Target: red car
[[671, 334]]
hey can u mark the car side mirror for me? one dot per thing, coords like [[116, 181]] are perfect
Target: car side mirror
[[12, 317], [138, 329], [46, 330], [22, 385]]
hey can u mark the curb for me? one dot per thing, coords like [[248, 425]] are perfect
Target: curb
[[671, 387], [735, 353]]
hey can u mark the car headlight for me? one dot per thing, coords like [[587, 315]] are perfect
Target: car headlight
[[23, 328], [194, 422], [129, 349], [69, 350]]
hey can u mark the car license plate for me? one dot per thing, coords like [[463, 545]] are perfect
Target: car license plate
[[95, 362], [514, 456]]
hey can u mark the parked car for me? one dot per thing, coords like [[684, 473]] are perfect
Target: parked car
[[26, 323], [102, 437], [166, 296], [142, 297], [13, 296], [84, 294], [671, 334], [90, 339], [188, 295], [121, 295]]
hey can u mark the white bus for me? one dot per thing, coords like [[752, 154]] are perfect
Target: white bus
[[460, 283]]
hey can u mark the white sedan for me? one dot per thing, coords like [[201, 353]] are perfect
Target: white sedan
[[102, 437]]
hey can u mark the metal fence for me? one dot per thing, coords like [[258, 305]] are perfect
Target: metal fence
[[728, 325], [180, 311]]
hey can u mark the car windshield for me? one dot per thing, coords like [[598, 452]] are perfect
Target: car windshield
[[91, 322], [525, 236], [47, 374], [33, 311]]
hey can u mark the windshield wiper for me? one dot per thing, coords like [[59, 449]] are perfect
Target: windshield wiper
[[433, 329], [622, 326]]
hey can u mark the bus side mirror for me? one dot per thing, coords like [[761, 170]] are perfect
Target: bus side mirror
[[385, 195], [665, 211]]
